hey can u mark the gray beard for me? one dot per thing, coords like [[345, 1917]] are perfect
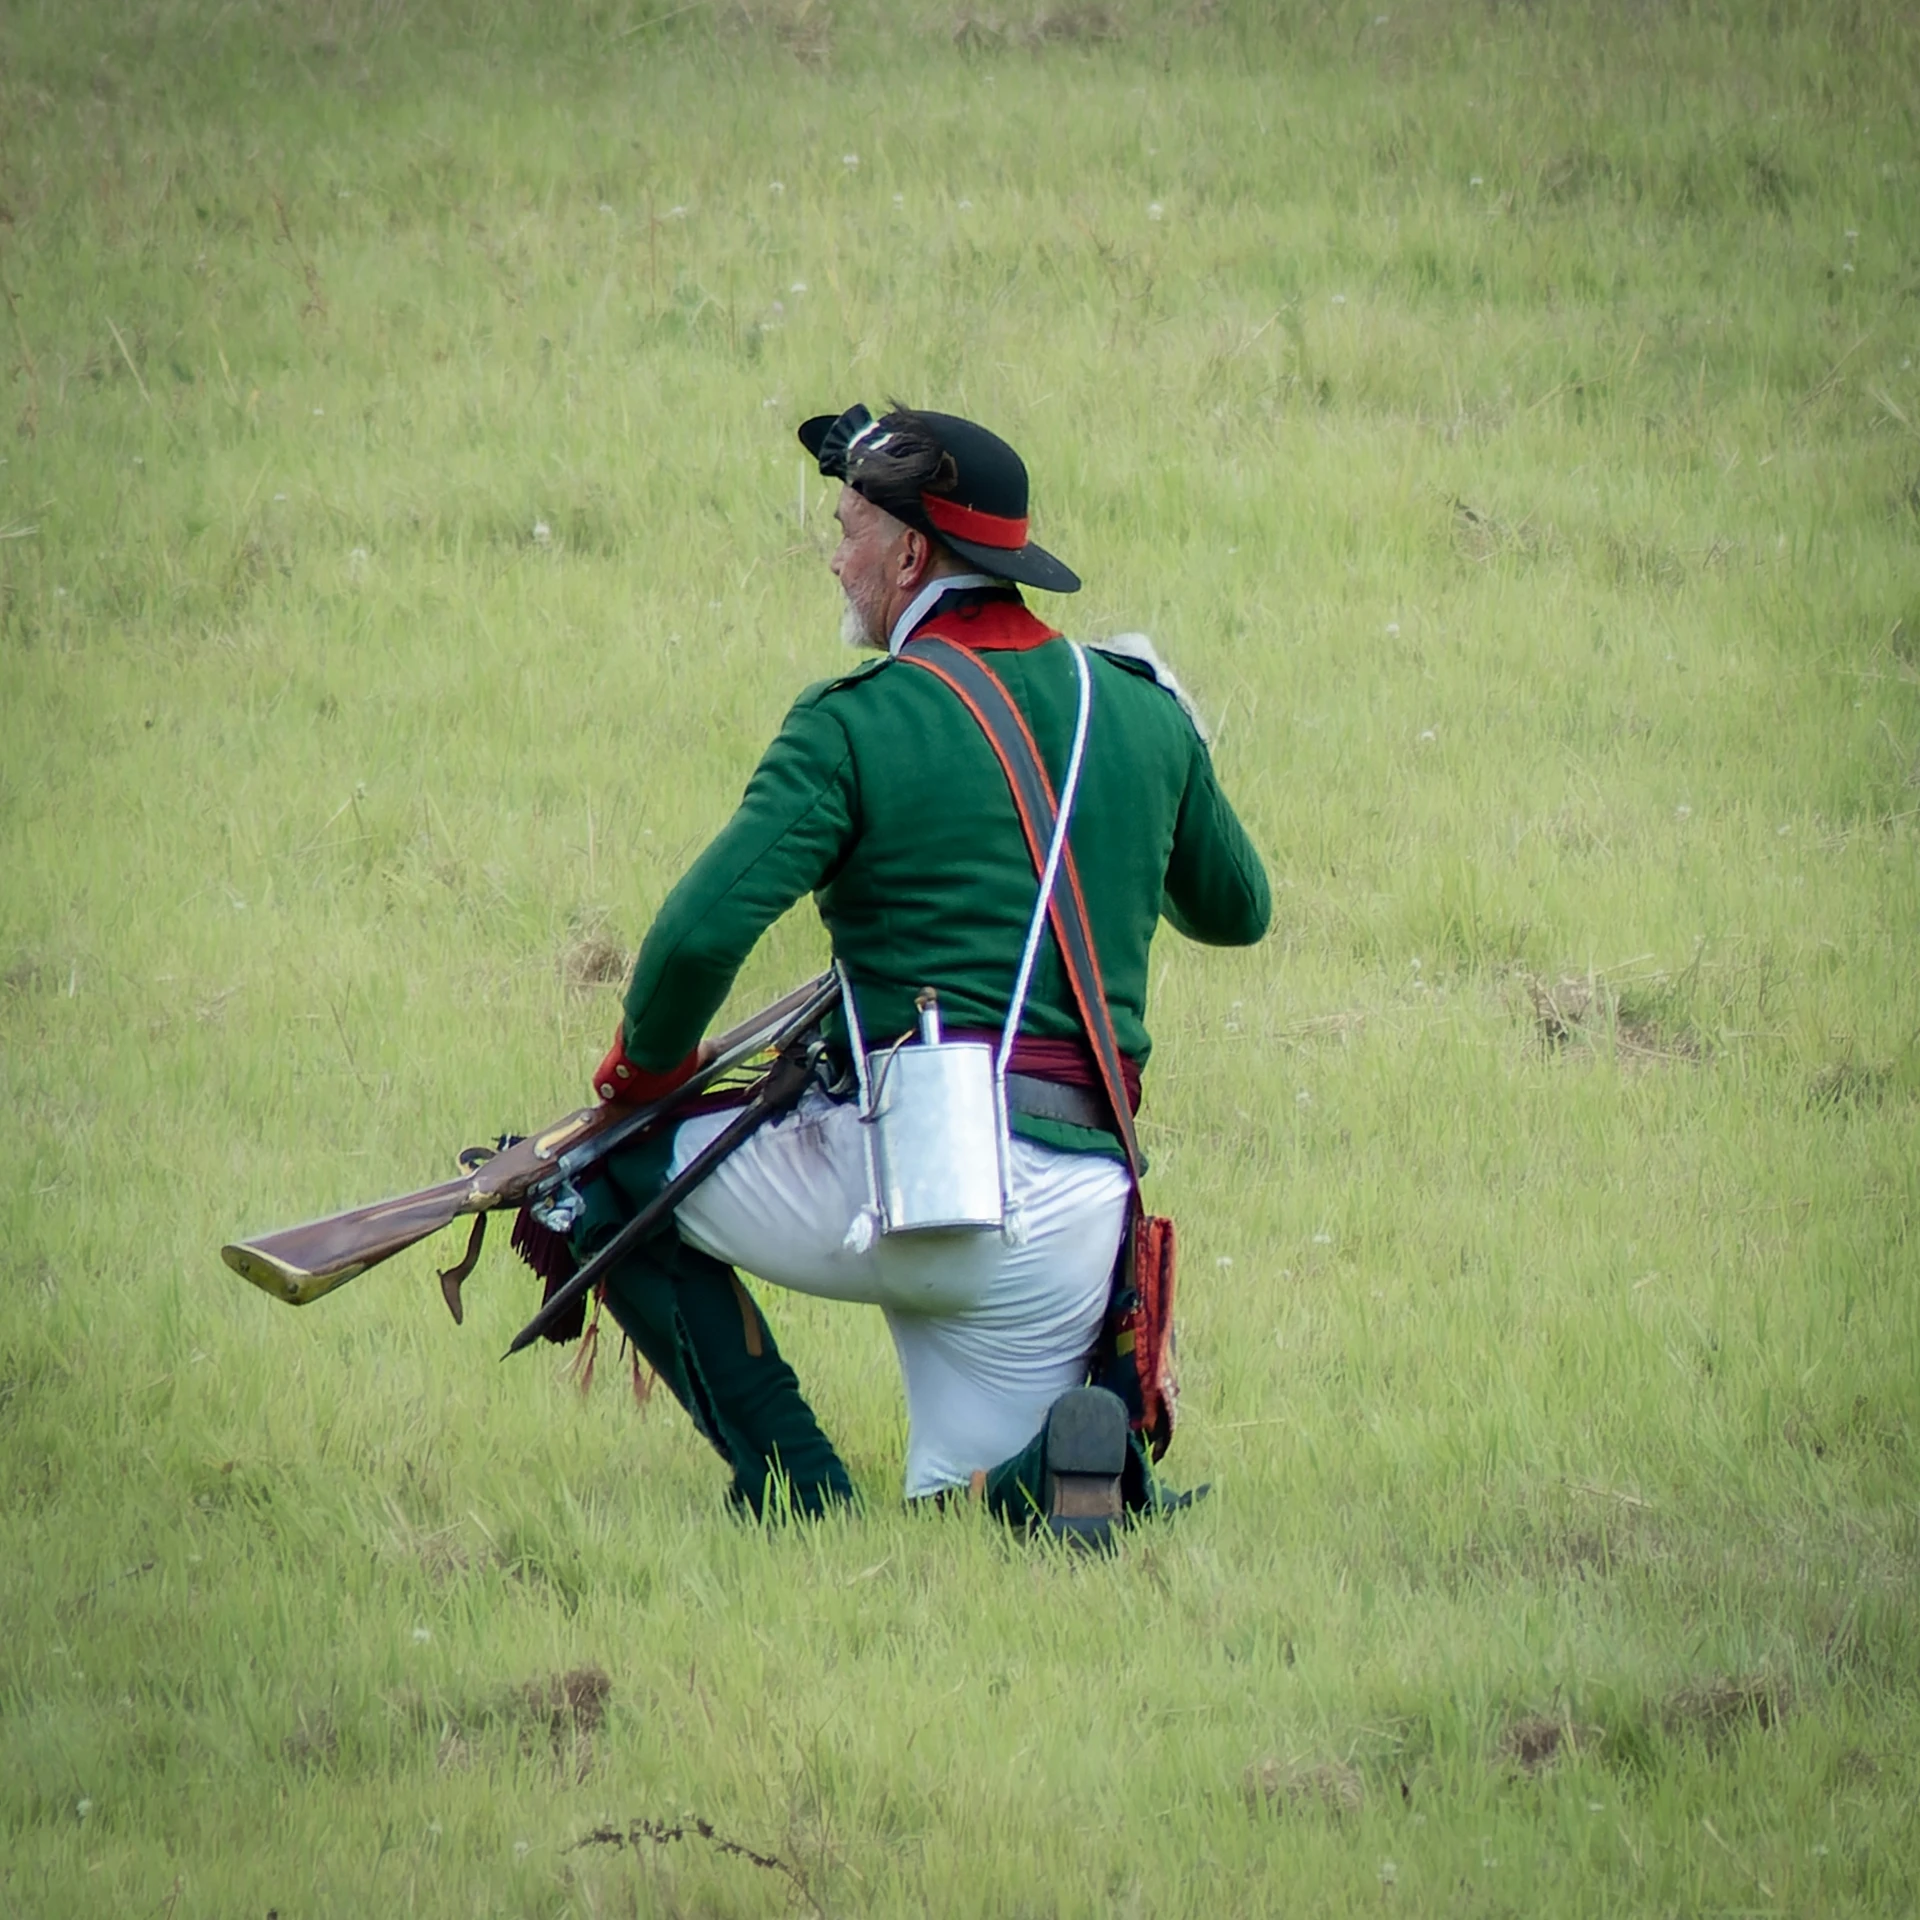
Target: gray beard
[[856, 633]]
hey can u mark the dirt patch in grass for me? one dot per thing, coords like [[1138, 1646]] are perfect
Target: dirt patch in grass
[[1080, 23], [1718, 1710], [1853, 1082], [24, 973], [802, 28], [559, 1711], [1533, 1743], [567, 1703], [312, 1744], [1319, 1786], [1582, 1013], [1481, 538], [591, 958]]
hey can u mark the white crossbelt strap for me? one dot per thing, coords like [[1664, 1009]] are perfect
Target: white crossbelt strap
[[1069, 787]]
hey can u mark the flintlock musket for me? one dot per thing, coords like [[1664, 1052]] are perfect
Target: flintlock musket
[[299, 1264]]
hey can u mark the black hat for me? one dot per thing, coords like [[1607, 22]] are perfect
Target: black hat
[[972, 493]]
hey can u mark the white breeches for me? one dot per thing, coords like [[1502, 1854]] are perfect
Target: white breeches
[[989, 1334]]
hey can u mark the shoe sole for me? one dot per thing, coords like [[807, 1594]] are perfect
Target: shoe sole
[[1086, 1454]]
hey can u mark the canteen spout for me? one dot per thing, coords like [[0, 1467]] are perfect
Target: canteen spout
[[928, 1003]]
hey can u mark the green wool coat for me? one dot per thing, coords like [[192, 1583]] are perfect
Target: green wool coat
[[881, 797]]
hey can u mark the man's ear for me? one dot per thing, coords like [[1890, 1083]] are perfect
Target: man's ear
[[914, 558]]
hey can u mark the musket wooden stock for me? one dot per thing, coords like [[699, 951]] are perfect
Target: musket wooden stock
[[298, 1264]]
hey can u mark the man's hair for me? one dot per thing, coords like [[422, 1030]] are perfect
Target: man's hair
[[898, 461]]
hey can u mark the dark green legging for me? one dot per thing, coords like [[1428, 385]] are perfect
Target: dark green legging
[[696, 1325], [701, 1331]]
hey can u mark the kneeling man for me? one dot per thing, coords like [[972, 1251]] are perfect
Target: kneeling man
[[884, 799]]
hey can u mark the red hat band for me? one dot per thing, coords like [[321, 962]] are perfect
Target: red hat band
[[969, 523]]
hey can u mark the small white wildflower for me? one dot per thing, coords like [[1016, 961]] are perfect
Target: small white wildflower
[[1476, 181], [1846, 266], [1303, 1098], [966, 206], [343, 193], [1393, 629], [776, 186], [1596, 1806], [82, 1808], [772, 401], [542, 533], [1428, 733], [1415, 963], [422, 1635], [799, 286], [280, 497], [899, 199], [1389, 1873], [1156, 211], [1225, 1260], [359, 553], [676, 213], [1853, 234], [1323, 1239], [604, 208], [1785, 828], [849, 160], [1339, 299], [521, 1849], [778, 311], [1819, 1850], [139, 460], [1683, 812], [59, 593], [433, 1829], [319, 412]]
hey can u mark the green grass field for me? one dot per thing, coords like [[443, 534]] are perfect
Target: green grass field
[[1506, 418]]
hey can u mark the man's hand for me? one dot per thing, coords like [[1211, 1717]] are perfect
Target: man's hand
[[617, 1079]]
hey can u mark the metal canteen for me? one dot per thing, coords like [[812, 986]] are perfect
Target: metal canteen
[[938, 1133]]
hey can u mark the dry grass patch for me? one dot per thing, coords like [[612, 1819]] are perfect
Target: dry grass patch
[[1853, 1082], [1533, 1743], [1717, 1710], [560, 1712], [1322, 1786], [574, 1702], [312, 1744], [1581, 1012], [592, 958]]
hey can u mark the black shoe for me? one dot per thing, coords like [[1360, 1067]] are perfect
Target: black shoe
[[1086, 1453]]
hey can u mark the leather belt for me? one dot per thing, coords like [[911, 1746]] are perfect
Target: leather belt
[[1048, 1100]]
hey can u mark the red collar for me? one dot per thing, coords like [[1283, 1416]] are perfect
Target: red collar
[[989, 626]]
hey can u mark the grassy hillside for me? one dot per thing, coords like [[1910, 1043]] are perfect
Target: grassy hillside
[[1506, 419]]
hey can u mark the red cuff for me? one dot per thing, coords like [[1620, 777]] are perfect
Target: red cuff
[[617, 1078]]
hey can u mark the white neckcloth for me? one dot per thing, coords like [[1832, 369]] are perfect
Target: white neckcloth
[[922, 602]]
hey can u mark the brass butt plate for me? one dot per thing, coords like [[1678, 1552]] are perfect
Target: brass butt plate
[[285, 1282]]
